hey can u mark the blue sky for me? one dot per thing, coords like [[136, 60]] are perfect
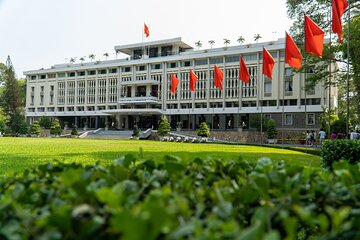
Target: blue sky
[[40, 33]]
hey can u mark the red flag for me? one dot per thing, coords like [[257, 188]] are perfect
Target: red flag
[[146, 30], [193, 79], [218, 77], [244, 73], [314, 38], [338, 8], [293, 55], [268, 63], [174, 84]]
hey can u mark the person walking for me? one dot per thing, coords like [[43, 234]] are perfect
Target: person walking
[[322, 135]]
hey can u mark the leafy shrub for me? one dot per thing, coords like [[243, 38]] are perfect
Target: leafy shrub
[[55, 128], [74, 131], [203, 130], [337, 150], [45, 122], [164, 127], [271, 129], [172, 199], [23, 130], [35, 128]]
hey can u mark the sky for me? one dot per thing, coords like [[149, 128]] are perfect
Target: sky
[[40, 33]]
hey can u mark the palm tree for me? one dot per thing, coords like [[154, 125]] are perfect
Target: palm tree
[[92, 57], [226, 42], [72, 60], [257, 37], [198, 44], [241, 40], [82, 59], [106, 55], [211, 42]]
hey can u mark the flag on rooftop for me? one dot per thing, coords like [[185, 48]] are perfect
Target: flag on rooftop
[[146, 30]]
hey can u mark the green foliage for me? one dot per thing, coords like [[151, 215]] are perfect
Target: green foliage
[[74, 131], [23, 130], [332, 151], [203, 130], [339, 126], [45, 122], [55, 128], [16, 120], [271, 129], [136, 198], [164, 127], [35, 128], [255, 122]]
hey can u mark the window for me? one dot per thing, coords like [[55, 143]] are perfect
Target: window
[[252, 57], [92, 72], [126, 69], [288, 119], [186, 64], [172, 65], [43, 76], [102, 71], [201, 62], [310, 119], [33, 77], [267, 88], [232, 59], [81, 73], [216, 60], [72, 74], [156, 66], [51, 75], [113, 70], [61, 75], [288, 82]]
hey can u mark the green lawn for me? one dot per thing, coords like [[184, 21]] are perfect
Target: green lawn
[[18, 154]]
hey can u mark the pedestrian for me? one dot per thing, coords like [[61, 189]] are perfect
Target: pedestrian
[[322, 135], [333, 136], [312, 137], [353, 135], [307, 138]]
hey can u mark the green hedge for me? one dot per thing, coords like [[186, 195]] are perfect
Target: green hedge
[[337, 150], [136, 198]]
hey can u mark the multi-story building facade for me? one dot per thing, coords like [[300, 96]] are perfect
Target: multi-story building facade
[[136, 90]]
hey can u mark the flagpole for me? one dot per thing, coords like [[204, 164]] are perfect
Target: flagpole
[[283, 98], [305, 80], [143, 41], [329, 93], [348, 71]]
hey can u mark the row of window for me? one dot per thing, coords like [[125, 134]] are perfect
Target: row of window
[[72, 109]]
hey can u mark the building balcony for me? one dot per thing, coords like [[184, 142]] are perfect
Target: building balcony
[[148, 99]]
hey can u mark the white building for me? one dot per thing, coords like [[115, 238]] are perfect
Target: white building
[[136, 90]]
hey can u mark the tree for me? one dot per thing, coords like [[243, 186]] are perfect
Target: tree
[[257, 37], [271, 129], [23, 130], [92, 57], [203, 130], [45, 122], [106, 55], [211, 42], [16, 122], [164, 127], [35, 128], [241, 40], [55, 128], [226, 42], [72, 60], [82, 59], [198, 44]]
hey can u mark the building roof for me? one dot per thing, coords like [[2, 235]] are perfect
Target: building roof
[[128, 48]]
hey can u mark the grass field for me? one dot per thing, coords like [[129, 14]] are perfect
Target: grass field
[[18, 154]]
